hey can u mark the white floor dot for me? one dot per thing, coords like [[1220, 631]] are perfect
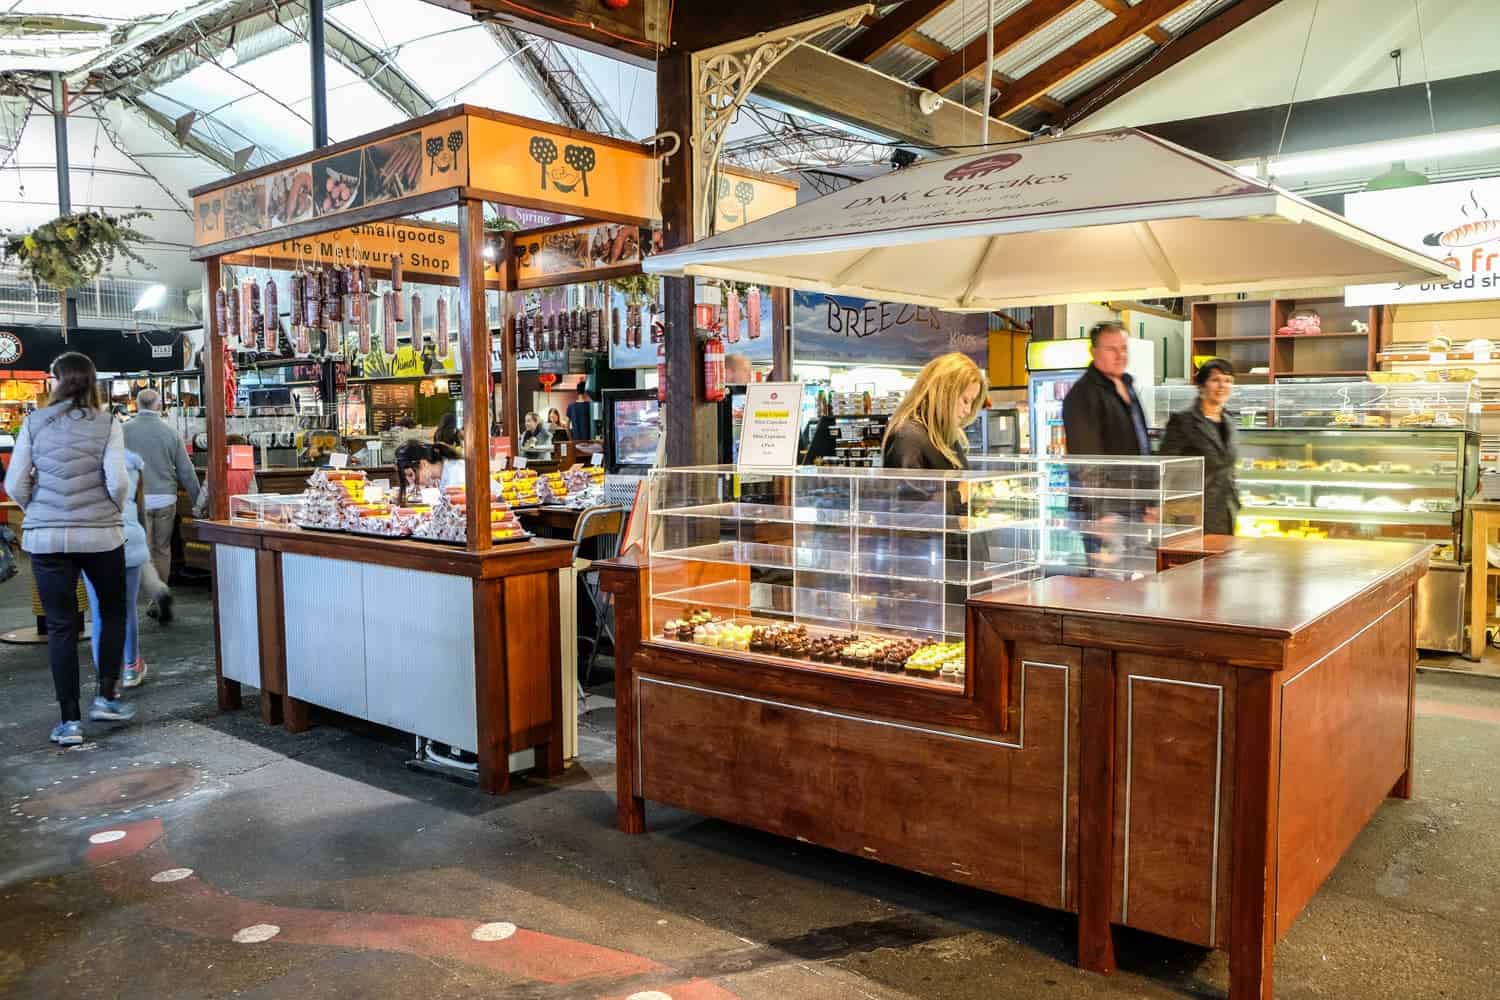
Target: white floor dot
[[650, 995], [107, 836], [497, 931], [256, 933], [172, 875]]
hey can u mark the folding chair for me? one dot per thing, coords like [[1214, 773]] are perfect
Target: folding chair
[[604, 525]]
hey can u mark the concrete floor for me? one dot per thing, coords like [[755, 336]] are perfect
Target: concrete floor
[[369, 879]]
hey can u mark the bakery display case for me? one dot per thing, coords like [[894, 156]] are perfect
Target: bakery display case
[[848, 569], [1358, 483], [267, 508], [1314, 405]]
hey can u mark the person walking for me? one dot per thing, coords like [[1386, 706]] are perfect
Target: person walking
[[139, 575], [67, 473], [1206, 429], [166, 467], [1102, 415]]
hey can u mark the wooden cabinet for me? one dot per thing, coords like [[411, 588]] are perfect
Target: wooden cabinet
[[1189, 753], [1245, 332]]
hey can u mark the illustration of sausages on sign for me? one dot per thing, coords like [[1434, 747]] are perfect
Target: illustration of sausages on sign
[[1466, 235]]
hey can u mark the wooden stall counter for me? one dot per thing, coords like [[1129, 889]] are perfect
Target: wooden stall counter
[[462, 647], [1189, 753]]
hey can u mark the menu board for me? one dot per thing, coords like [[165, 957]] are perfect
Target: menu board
[[389, 402]]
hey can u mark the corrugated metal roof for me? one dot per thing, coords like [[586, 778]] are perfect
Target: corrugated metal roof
[[1057, 36], [1184, 19], [1104, 68], [964, 19], [835, 38], [903, 63]]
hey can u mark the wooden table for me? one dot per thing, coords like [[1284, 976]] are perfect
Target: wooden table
[[1484, 523], [556, 521], [1188, 754]]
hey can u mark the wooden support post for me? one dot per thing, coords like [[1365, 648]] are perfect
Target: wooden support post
[[474, 348], [510, 381], [691, 423], [625, 585], [1252, 893], [1096, 798], [213, 395], [492, 685], [781, 334]]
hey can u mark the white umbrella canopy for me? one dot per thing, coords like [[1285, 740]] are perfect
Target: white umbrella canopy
[[1118, 214]]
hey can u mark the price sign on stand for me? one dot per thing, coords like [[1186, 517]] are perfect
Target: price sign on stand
[[520, 462], [773, 411], [596, 459]]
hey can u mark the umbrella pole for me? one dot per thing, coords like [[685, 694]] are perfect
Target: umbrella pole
[[989, 71]]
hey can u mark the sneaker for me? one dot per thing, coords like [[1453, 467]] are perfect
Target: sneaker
[[107, 710], [67, 734], [134, 674], [164, 609]]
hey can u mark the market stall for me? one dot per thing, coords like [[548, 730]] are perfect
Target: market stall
[[428, 609]]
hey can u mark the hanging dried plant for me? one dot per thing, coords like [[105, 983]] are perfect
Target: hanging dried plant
[[72, 250], [638, 288]]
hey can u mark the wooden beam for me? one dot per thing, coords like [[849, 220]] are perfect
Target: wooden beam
[[821, 83], [1183, 46], [1095, 46], [1156, 32], [1009, 33], [1048, 104], [893, 29], [474, 350]]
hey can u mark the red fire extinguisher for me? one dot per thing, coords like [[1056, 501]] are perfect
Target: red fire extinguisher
[[661, 372], [713, 369]]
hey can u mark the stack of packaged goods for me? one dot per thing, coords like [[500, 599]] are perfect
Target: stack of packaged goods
[[886, 402], [447, 521], [331, 498], [851, 404], [518, 487], [580, 486], [552, 488]]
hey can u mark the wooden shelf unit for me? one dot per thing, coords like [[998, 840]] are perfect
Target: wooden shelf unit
[[1243, 331]]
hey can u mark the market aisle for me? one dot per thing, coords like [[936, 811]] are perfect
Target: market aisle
[[365, 879]]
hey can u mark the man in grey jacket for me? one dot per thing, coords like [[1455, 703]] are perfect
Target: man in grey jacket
[[166, 468]]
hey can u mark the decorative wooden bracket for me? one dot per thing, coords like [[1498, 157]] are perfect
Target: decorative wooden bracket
[[723, 78]]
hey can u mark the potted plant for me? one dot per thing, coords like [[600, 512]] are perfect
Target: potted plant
[[72, 250]]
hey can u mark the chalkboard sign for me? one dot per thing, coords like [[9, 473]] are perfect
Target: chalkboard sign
[[389, 402]]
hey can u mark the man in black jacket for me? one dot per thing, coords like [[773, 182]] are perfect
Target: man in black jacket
[[1102, 414]]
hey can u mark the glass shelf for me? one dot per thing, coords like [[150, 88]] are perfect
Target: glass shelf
[[842, 562], [1339, 516], [894, 520]]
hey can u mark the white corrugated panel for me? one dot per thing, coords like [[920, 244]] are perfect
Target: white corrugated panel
[[1061, 34], [964, 19], [1105, 68], [1184, 19], [903, 63]]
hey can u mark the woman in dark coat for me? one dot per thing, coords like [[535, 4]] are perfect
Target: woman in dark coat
[[1206, 429]]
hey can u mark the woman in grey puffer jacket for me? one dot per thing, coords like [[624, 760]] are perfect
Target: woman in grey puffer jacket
[[67, 473]]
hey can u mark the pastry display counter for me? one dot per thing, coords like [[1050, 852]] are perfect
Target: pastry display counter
[[1365, 460], [1111, 745]]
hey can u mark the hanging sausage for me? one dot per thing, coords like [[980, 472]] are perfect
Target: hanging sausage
[[752, 312], [273, 316], [388, 316], [221, 313], [313, 300], [442, 327], [232, 318], [732, 317], [416, 322]]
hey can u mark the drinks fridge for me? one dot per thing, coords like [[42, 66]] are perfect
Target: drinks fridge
[[1054, 365]]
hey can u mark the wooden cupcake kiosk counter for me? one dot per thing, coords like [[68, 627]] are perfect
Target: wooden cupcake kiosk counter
[[1188, 753]]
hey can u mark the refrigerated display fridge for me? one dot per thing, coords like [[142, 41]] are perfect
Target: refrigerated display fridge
[[1053, 367]]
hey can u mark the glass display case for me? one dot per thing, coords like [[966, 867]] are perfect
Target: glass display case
[[1358, 483], [266, 508], [850, 568], [1315, 405], [870, 569]]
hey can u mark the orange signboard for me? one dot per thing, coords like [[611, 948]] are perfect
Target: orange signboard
[[741, 197], [427, 250], [431, 158], [549, 167]]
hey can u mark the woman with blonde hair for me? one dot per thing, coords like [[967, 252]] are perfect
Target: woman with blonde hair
[[927, 429]]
